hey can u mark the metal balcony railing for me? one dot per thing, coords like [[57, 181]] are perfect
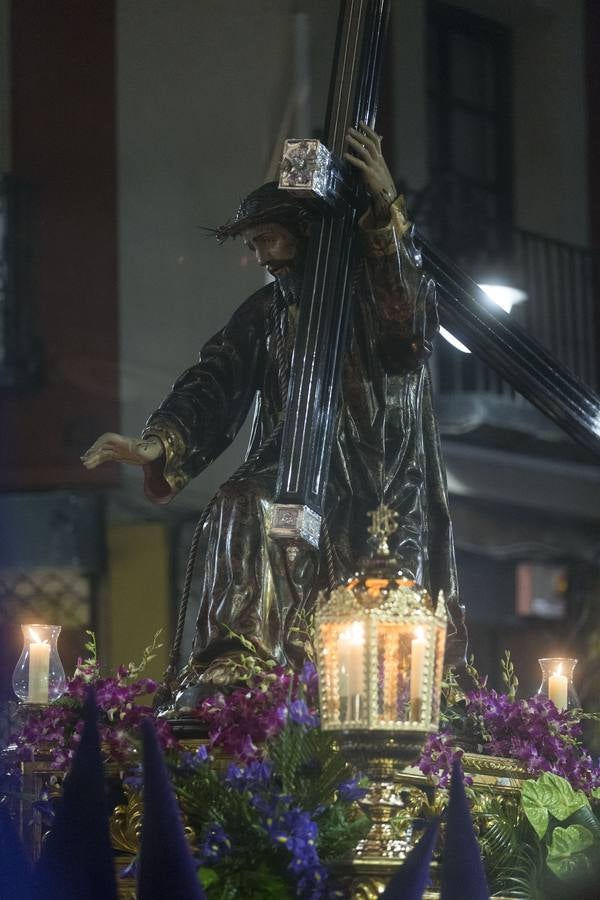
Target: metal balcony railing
[[559, 312]]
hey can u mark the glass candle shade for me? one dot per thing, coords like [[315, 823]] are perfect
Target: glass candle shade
[[380, 653], [557, 682], [39, 677]]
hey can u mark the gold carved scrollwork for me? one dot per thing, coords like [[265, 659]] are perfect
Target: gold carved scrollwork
[[498, 772], [372, 887], [416, 804], [126, 823], [368, 888]]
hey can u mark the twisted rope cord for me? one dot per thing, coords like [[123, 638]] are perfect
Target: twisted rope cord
[[275, 314], [171, 670], [331, 576]]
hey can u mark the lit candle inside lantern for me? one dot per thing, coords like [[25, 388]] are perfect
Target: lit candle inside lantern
[[390, 676], [351, 661], [558, 687], [39, 669], [417, 666]]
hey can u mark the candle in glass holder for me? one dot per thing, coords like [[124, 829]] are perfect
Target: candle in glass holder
[[558, 688], [351, 661], [39, 669], [417, 666]]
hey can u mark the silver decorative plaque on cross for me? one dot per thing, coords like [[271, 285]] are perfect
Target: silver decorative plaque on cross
[[295, 523], [306, 169]]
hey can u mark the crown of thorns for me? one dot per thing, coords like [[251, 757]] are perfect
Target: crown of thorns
[[266, 204]]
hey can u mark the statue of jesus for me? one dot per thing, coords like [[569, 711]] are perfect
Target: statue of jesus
[[386, 447]]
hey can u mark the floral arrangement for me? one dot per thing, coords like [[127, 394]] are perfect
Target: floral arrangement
[[267, 828], [532, 731], [241, 722], [288, 800], [56, 729], [268, 825], [546, 839], [540, 842]]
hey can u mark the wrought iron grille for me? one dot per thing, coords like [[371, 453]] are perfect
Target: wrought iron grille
[[61, 595]]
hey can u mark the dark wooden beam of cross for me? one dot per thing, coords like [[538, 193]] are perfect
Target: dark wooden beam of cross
[[312, 169]]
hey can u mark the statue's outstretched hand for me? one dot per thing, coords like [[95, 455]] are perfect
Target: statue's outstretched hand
[[117, 448], [364, 153]]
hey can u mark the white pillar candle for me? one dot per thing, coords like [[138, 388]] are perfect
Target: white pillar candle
[[351, 662], [558, 688], [417, 667], [39, 671], [390, 676]]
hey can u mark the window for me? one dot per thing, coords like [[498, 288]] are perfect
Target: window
[[469, 88]]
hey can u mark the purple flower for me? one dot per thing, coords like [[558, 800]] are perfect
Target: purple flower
[[438, 756], [287, 827], [535, 732], [215, 844], [532, 731], [134, 778], [313, 883], [60, 725], [244, 720], [310, 679], [299, 713], [201, 754], [250, 777], [195, 760], [349, 791], [293, 828]]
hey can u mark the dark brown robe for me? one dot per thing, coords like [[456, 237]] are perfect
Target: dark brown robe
[[386, 449]]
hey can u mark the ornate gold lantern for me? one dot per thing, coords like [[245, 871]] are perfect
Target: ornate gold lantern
[[380, 648], [380, 644]]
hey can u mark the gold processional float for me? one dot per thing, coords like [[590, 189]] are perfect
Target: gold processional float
[[379, 645]]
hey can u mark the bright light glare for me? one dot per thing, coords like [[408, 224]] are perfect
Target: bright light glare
[[454, 341], [503, 296], [354, 634], [35, 637]]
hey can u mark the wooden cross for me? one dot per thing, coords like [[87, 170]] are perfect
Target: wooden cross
[[312, 169]]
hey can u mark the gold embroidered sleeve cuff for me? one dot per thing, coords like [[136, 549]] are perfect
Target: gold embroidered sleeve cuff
[[382, 241], [170, 468]]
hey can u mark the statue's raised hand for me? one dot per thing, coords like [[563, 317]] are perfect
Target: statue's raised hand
[[364, 153], [117, 448]]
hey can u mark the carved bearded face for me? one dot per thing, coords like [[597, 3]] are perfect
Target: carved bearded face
[[275, 248]]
